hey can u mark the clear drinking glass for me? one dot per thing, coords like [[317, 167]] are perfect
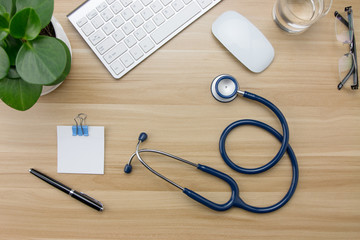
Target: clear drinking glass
[[295, 16]]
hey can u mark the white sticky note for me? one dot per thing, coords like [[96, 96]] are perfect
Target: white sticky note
[[81, 154]]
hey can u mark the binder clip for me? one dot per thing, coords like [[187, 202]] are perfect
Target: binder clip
[[80, 129]]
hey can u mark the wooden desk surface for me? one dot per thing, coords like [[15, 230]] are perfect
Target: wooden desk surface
[[168, 96]]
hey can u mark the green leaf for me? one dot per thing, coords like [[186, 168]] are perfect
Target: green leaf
[[42, 61], [2, 9], [44, 8], [17, 93], [68, 64], [4, 21], [5, 63], [9, 6], [25, 24], [3, 35], [12, 47]]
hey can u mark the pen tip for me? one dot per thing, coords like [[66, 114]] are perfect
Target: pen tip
[[30, 170]]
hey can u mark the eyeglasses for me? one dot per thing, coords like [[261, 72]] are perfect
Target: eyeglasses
[[344, 29]]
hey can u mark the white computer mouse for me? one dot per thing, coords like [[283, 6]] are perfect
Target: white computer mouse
[[244, 40]]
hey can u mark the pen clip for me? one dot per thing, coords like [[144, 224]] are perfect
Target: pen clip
[[92, 199]]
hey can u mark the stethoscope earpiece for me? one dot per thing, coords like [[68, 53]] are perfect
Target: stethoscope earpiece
[[224, 88]]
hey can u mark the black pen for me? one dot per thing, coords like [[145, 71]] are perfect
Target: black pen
[[82, 197]]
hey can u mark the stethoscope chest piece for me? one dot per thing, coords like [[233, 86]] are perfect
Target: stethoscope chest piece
[[224, 88]]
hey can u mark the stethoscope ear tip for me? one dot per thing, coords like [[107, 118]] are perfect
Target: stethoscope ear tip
[[127, 168], [143, 136]]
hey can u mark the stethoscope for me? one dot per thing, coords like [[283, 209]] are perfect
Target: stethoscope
[[225, 88]]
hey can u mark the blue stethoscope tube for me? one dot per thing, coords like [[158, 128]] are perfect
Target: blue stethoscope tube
[[224, 92], [284, 141]]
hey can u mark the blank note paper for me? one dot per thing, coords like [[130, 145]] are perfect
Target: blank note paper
[[81, 154]]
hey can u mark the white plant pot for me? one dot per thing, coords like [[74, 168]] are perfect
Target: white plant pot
[[60, 34]]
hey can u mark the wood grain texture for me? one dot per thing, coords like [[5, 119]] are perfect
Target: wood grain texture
[[168, 96]]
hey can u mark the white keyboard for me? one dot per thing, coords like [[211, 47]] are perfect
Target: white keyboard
[[122, 33]]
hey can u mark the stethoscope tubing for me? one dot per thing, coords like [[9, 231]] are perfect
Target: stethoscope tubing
[[284, 141], [294, 180]]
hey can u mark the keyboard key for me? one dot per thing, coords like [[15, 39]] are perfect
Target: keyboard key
[[136, 53], [87, 29], [149, 26], [130, 41], [117, 67], [126, 59], [106, 14], [116, 7], [91, 14], [147, 14], [137, 6], [81, 22], [128, 28], [177, 5], [139, 34], [101, 6], [105, 45], [110, 1], [146, 2], [156, 6], [166, 2], [108, 28], [117, 21], [114, 53], [147, 44], [127, 14], [126, 3], [175, 22], [118, 35], [97, 22], [168, 12], [204, 3], [96, 37], [137, 21], [159, 19]]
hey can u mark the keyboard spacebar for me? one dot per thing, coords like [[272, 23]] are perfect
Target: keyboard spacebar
[[174, 23]]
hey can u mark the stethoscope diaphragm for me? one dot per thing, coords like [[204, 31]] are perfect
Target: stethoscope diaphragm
[[224, 88]]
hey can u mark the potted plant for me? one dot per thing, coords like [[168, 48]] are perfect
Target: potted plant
[[28, 60]]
